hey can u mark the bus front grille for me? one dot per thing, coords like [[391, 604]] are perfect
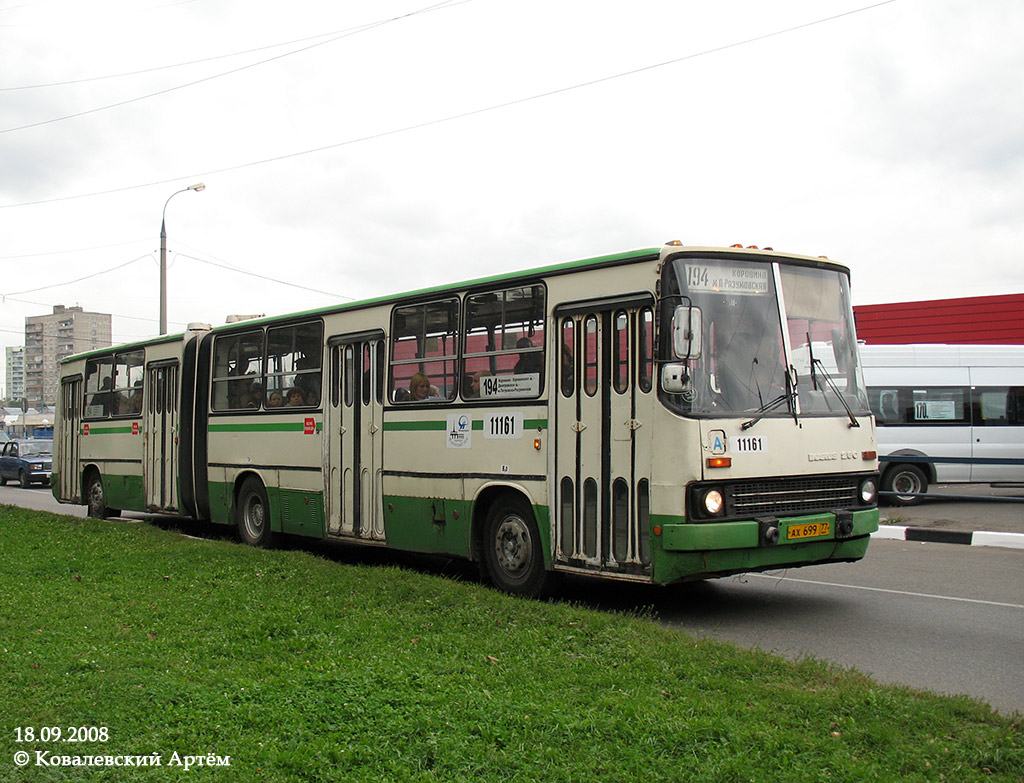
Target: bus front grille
[[788, 497]]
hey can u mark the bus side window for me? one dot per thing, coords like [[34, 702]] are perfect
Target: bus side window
[[294, 356], [620, 353], [126, 399], [645, 347], [568, 363], [424, 351], [1015, 405], [888, 406], [504, 337], [99, 387], [237, 367], [994, 406]]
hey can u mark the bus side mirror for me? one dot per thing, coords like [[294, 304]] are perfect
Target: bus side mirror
[[674, 378], [686, 332]]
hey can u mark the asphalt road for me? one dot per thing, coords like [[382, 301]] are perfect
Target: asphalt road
[[941, 617], [965, 507]]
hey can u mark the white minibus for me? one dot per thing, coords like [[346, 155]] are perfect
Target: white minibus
[[946, 414]]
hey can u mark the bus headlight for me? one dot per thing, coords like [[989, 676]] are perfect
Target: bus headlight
[[714, 503], [868, 492]]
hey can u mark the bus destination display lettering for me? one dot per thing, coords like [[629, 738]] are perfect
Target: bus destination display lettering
[[524, 385], [709, 278]]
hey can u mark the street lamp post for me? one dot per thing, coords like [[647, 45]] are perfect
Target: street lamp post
[[163, 254]]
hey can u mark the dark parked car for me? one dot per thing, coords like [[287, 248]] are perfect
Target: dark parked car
[[27, 461]]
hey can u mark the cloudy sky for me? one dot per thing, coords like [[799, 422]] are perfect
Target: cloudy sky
[[353, 149]]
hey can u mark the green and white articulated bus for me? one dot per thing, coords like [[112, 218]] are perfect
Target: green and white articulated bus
[[654, 416]]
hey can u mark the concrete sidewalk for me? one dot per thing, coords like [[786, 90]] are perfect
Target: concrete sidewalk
[[978, 515]]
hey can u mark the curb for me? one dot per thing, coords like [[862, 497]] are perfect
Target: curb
[[971, 538]]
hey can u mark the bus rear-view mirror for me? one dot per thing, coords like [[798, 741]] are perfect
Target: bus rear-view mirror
[[686, 332]]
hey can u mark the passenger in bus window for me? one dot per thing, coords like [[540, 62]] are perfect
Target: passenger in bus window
[[274, 399], [255, 396], [473, 384], [529, 361], [419, 387], [295, 397]]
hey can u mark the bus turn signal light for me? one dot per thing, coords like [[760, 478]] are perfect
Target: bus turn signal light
[[869, 455], [719, 462]]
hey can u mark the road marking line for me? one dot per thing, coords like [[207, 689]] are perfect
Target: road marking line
[[884, 590]]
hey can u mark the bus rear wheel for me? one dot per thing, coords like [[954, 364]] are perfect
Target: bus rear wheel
[[253, 514], [907, 483], [512, 552]]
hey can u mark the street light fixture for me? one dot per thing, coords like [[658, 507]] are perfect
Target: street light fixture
[[163, 254]]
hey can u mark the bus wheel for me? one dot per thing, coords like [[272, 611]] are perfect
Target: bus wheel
[[95, 497], [512, 551], [907, 482], [253, 514]]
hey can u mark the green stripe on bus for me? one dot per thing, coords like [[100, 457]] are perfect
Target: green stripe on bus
[[415, 425], [94, 430], [278, 426], [441, 426]]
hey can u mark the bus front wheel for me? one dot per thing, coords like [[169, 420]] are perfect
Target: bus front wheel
[[96, 499], [253, 514], [907, 483], [512, 550]]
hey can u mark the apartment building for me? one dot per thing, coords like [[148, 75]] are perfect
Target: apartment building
[[52, 337], [14, 380]]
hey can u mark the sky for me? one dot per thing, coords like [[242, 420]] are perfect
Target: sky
[[357, 149]]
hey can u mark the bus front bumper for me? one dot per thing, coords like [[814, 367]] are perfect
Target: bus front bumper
[[684, 551]]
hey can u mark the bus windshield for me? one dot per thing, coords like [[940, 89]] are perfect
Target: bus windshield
[[743, 367]]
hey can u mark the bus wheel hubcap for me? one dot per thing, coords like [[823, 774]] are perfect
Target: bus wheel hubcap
[[512, 545], [906, 484], [254, 518]]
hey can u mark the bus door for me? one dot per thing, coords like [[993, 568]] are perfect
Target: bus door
[[70, 487], [160, 437], [355, 439], [603, 430], [997, 434]]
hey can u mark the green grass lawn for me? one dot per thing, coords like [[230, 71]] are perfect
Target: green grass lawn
[[301, 667]]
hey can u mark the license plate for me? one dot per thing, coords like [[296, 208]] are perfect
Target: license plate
[[811, 530]]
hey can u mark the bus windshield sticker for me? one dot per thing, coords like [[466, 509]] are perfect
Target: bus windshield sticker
[[711, 278], [934, 410], [460, 431], [524, 385], [716, 442], [504, 425]]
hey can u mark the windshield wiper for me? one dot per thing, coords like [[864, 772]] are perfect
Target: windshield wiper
[[788, 396], [835, 390], [815, 362], [765, 409]]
